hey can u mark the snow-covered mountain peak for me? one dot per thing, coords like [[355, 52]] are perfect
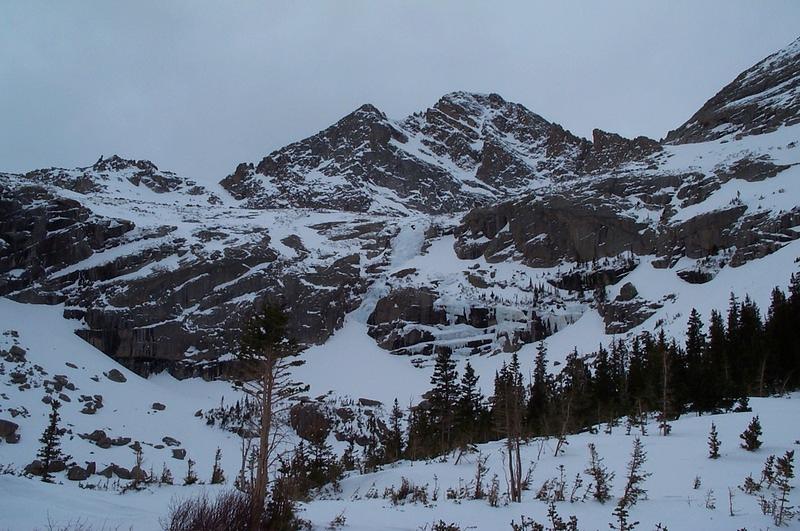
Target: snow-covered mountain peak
[[761, 99]]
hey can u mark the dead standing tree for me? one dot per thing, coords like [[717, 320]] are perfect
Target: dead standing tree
[[268, 356]]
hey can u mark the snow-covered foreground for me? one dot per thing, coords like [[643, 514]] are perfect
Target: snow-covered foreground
[[675, 463]]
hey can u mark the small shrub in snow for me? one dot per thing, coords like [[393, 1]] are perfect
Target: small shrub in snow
[[750, 436], [493, 496], [601, 477], [407, 492], [217, 474], [556, 522], [768, 472], [784, 468], [440, 525], [750, 486], [338, 522], [191, 476], [166, 476], [713, 442], [711, 501]]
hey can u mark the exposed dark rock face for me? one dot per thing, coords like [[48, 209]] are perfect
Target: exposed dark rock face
[[611, 151], [760, 100], [468, 149], [542, 232], [41, 232]]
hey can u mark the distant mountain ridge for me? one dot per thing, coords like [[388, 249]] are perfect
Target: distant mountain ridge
[[466, 150]]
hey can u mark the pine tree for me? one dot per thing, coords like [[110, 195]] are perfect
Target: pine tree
[[166, 476], [268, 352], [751, 435], [469, 406], [191, 476], [713, 443], [635, 476], [217, 474], [784, 469], [539, 393], [696, 368], [718, 385], [50, 450], [601, 477], [443, 396], [507, 409], [394, 442]]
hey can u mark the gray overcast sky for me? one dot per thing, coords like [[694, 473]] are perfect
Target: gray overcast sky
[[197, 86]]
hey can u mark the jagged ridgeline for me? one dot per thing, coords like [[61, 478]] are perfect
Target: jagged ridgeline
[[473, 227]]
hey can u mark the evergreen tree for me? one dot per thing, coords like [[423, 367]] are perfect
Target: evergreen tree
[[713, 442], [696, 367], [601, 477], [784, 472], [507, 409], [443, 396], [719, 385], [635, 476], [750, 436], [217, 474], [540, 392], [394, 442], [191, 476], [269, 353], [166, 476], [469, 406], [50, 450]]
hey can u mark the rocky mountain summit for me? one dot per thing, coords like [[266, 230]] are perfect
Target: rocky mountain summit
[[475, 225], [760, 100], [466, 150]]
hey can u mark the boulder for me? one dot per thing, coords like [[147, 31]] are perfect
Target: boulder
[[35, 468], [115, 376], [8, 429], [16, 354], [178, 453], [159, 406], [627, 292], [76, 473], [56, 466], [122, 472], [309, 421], [169, 441]]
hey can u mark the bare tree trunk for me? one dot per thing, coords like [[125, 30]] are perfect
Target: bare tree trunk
[[518, 487], [262, 470], [664, 427]]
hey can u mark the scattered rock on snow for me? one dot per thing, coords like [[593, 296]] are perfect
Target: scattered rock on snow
[[115, 376], [178, 453], [77, 473]]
